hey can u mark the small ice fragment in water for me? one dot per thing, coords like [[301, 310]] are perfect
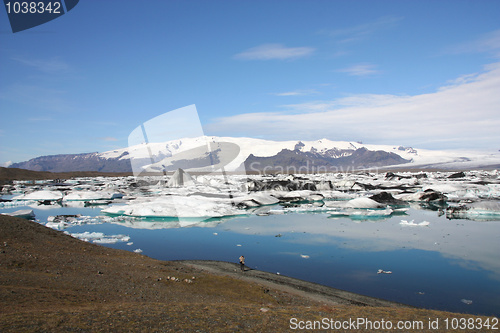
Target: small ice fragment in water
[[238, 244], [215, 233], [305, 256], [413, 224], [130, 243], [138, 251], [381, 271], [466, 301]]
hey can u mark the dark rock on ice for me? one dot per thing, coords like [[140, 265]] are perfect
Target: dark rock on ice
[[431, 195], [388, 199], [457, 175]]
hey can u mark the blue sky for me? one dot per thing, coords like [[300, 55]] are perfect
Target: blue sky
[[416, 73]]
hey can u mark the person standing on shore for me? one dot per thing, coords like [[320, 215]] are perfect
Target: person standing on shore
[[242, 263]]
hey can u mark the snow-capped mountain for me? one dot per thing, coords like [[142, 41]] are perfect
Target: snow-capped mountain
[[212, 153]]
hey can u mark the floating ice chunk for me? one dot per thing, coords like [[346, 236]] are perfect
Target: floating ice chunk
[[14, 203], [482, 210], [428, 196], [40, 196], [369, 212], [355, 203], [305, 256], [258, 199], [381, 271], [130, 243], [177, 206], [22, 213], [90, 195], [138, 251], [466, 301], [100, 238], [413, 224], [56, 225], [306, 195]]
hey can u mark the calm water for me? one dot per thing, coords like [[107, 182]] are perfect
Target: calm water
[[441, 266]]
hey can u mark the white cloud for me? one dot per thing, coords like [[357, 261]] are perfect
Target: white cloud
[[274, 51], [463, 114], [363, 69]]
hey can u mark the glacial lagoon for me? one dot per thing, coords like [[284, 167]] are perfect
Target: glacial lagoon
[[416, 255], [449, 265]]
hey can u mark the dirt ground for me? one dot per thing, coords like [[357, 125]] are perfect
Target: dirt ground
[[52, 282]]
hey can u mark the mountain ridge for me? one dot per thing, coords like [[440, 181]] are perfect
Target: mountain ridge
[[235, 154]]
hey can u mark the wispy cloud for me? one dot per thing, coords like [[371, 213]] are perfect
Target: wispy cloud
[[50, 66], [363, 69], [362, 31], [274, 51], [460, 115], [487, 43], [300, 92], [37, 97]]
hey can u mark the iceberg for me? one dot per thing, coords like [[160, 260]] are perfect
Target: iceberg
[[413, 224], [180, 178], [22, 213], [100, 238], [177, 206], [356, 203], [90, 195], [40, 196], [481, 210], [363, 214], [256, 200]]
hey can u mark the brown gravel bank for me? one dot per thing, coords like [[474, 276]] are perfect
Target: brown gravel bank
[[51, 282]]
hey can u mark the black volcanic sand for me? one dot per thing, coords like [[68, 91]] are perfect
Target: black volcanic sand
[[52, 282]]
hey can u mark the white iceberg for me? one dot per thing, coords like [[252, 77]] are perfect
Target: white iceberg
[[90, 195], [22, 213], [256, 200], [482, 210], [40, 196], [355, 203], [413, 224], [100, 238], [180, 178], [176, 206], [381, 271]]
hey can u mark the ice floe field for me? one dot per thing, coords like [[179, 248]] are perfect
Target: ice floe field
[[429, 239]]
